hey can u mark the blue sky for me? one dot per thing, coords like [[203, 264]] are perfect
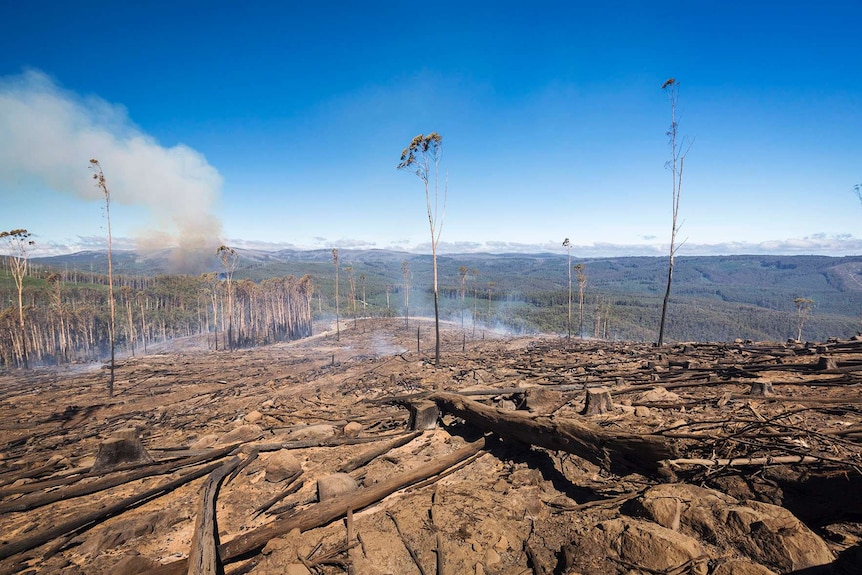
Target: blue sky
[[279, 124]]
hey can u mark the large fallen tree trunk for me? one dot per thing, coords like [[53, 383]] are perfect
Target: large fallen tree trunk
[[614, 451], [10, 548], [371, 454], [328, 511], [34, 500], [203, 557], [747, 461]]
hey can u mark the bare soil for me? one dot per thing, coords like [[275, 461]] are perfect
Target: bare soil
[[756, 484]]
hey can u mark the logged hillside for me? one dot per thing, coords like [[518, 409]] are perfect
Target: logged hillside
[[719, 298], [514, 456]]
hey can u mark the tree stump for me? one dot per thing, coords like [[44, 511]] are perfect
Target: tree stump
[[598, 401], [761, 388], [124, 447], [824, 363], [423, 415]]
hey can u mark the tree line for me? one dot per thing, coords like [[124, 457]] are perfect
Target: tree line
[[69, 322]]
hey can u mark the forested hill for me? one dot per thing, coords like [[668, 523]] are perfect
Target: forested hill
[[714, 298]]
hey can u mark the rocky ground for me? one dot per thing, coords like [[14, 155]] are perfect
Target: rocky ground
[[760, 471]]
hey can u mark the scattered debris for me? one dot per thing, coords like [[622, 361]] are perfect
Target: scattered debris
[[516, 455]]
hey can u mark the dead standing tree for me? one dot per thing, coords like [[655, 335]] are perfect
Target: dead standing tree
[[462, 273], [423, 157], [102, 184], [351, 282], [210, 283], [568, 245], [362, 284], [229, 260], [19, 249], [337, 319], [804, 306], [55, 280], [676, 163], [475, 273], [582, 285], [405, 271]]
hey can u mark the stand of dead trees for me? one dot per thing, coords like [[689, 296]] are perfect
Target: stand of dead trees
[[68, 320], [19, 244]]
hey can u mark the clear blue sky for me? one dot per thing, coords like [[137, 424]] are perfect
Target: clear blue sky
[[281, 123]]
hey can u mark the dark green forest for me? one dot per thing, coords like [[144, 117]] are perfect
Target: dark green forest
[[719, 298]]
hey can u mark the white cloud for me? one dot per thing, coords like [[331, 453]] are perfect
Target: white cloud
[[820, 244]]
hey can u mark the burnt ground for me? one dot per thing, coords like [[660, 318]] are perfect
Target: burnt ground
[[755, 483]]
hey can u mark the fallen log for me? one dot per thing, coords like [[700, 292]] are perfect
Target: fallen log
[[326, 512], [15, 474], [371, 454], [845, 400], [290, 487], [203, 556], [306, 443], [74, 475], [614, 451], [76, 524], [748, 461], [34, 500]]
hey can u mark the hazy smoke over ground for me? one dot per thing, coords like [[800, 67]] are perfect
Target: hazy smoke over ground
[[48, 135]]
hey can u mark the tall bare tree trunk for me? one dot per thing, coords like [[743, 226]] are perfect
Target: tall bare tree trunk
[[229, 259], [337, 320], [405, 271], [102, 184], [582, 284], [422, 152], [676, 163], [567, 244]]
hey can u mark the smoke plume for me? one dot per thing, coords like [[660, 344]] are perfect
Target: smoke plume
[[48, 135]]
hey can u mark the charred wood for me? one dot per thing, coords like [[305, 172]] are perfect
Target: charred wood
[[618, 452]]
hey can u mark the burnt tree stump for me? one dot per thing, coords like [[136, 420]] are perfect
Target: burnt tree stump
[[122, 448], [825, 363], [598, 401], [761, 388], [423, 415]]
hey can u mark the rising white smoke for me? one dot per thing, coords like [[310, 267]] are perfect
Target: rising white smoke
[[48, 136]]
